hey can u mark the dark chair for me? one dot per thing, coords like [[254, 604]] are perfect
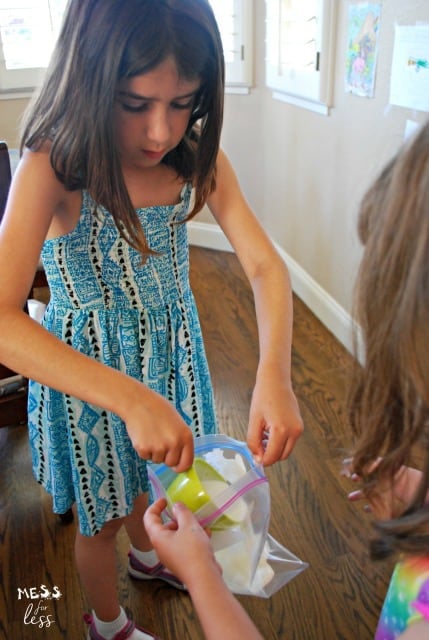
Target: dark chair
[[14, 387], [5, 176]]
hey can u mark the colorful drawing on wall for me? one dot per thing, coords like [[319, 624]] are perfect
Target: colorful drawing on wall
[[418, 63], [409, 81], [361, 58]]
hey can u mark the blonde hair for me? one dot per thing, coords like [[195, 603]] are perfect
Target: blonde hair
[[389, 396]]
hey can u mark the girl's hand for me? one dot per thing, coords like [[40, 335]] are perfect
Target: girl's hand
[[275, 422], [392, 497], [182, 546], [157, 431]]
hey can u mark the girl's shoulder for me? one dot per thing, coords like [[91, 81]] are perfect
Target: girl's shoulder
[[36, 166], [37, 178]]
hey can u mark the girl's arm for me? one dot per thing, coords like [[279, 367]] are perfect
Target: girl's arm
[[185, 549], [274, 420], [38, 206], [416, 631]]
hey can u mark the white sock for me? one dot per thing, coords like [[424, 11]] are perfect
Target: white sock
[[109, 629], [149, 558]]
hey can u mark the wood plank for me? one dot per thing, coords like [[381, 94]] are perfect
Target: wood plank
[[337, 597]]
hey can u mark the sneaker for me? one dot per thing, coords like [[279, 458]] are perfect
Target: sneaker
[[141, 571], [123, 634]]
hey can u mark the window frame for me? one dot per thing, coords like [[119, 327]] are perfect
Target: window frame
[[18, 83], [307, 89]]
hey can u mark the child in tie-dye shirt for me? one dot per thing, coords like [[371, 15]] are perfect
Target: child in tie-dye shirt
[[407, 601], [389, 399]]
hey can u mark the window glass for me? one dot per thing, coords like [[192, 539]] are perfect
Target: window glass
[[225, 17], [234, 18], [28, 30]]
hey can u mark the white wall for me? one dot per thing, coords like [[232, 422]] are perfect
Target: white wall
[[304, 173]]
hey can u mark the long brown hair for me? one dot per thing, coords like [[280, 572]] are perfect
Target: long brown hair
[[389, 396], [102, 42]]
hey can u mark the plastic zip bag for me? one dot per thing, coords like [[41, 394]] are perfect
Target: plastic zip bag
[[252, 562]]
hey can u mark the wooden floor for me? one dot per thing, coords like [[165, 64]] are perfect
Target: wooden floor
[[337, 598]]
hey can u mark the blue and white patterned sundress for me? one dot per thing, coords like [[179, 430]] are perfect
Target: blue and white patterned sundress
[[140, 319]]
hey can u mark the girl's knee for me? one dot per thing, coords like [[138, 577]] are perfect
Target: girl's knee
[[109, 530]]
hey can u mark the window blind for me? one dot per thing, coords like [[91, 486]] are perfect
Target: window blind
[[299, 48]]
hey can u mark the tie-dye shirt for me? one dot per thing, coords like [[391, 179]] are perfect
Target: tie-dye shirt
[[407, 598]]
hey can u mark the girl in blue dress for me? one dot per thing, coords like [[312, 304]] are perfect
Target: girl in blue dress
[[119, 150]]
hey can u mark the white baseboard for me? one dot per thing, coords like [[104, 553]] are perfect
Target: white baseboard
[[327, 310]]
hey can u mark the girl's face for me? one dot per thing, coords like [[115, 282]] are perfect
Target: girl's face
[[151, 115]]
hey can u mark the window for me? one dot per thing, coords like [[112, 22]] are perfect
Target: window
[[235, 21], [28, 29], [299, 51]]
